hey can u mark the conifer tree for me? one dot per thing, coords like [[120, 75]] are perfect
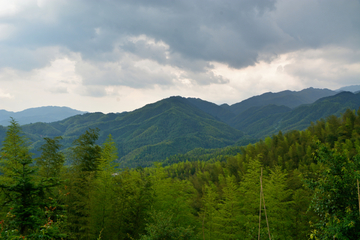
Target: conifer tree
[[23, 195], [14, 147]]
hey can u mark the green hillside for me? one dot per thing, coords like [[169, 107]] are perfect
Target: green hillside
[[148, 134], [260, 122], [178, 125], [287, 98], [307, 179]]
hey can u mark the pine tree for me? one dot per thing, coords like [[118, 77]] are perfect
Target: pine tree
[[23, 195], [14, 147]]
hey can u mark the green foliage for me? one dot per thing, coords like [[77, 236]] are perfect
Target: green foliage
[[336, 199], [14, 147], [279, 204], [23, 194], [86, 153], [51, 160], [204, 194], [163, 227]]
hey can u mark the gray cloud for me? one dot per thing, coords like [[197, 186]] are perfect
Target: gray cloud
[[186, 35]]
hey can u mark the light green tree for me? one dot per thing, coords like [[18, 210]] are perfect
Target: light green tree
[[51, 160], [86, 155], [227, 218], [249, 200], [279, 204]]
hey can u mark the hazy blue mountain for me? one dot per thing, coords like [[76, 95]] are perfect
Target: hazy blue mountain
[[287, 98], [40, 114], [352, 88]]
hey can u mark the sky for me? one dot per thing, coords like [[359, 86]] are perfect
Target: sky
[[115, 55]]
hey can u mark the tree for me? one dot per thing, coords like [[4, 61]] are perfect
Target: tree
[[336, 196], [103, 193], [279, 204], [162, 227], [249, 192], [51, 160], [209, 211], [23, 195], [14, 147], [86, 155], [228, 214]]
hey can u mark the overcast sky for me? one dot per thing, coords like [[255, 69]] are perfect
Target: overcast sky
[[114, 56]]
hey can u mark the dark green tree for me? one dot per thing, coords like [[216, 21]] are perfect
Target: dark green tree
[[23, 195]]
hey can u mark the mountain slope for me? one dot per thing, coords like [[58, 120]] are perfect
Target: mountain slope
[[214, 110], [40, 114], [148, 134], [352, 88], [287, 98], [260, 122]]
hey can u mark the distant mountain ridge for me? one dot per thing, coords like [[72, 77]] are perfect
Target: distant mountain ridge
[[287, 98], [352, 88], [41, 114], [145, 135], [177, 125]]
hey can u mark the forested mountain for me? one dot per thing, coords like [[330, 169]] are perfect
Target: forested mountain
[[260, 122], [40, 114], [307, 180], [148, 134], [287, 98], [177, 125]]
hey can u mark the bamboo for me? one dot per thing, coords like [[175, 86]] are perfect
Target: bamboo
[[267, 222], [260, 206], [203, 225], [357, 180]]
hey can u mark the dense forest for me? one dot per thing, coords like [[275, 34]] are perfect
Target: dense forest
[[293, 185], [177, 125]]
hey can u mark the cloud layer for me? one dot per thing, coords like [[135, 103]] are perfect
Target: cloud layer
[[99, 48]]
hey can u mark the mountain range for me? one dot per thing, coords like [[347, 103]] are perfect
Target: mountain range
[[40, 114], [177, 125]]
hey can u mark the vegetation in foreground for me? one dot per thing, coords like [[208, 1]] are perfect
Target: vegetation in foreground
[[309, 184]]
